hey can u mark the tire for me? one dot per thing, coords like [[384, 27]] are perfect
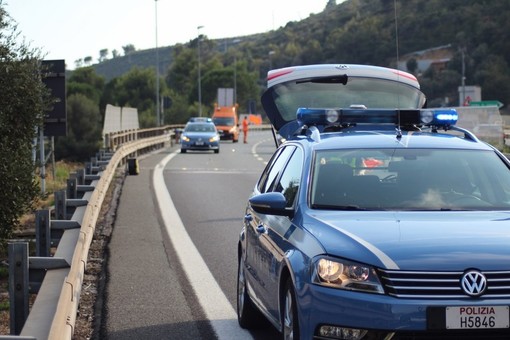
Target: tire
[[183, 150], [290, 320], [248, 316], [217, 151]]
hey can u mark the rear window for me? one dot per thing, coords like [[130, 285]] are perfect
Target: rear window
[[371, 93]]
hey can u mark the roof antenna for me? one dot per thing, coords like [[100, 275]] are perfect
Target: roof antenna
[[399, 131], [396, 29]]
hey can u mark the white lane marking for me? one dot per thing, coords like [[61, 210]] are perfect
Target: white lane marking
[[254, 151], [215, 304]]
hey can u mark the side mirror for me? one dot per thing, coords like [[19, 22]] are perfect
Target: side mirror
[[270, 203]]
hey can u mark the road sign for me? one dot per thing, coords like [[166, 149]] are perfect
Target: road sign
[[53, 76], [487, 103]]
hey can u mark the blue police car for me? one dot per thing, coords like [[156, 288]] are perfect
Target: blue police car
[[377, 218], [200, 135]]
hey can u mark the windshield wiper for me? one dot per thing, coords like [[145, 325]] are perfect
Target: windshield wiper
[[326, 80]]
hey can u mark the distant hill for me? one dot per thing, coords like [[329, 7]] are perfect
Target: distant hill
[[116, 67], [113, 68], [364, 32]]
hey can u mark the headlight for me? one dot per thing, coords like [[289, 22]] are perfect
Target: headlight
[[347, 275], [184, 138], [214, 139]]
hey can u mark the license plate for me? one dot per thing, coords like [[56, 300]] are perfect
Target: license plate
[[199, 143], [477, 317]]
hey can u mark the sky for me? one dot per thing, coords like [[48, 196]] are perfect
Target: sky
[[75, 29]]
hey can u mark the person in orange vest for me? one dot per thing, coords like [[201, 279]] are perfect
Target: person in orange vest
[[245, 129]]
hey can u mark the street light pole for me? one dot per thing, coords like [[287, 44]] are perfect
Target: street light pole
[[199, 76], [235, 42], [463, 80], [158, 118]]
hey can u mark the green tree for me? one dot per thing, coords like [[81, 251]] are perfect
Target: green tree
[[441, 87], [494, 77], [103, 55], [84, 94], [83, 138], [87, 82], [412, 65], [183, 72], [137, 89], [130, 48], [180, 111], [22, 103]]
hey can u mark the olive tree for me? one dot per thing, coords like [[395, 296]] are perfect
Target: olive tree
[[23, 100]]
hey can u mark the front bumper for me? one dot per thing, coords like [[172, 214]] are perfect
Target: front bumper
[[386, 317], [227, 135], [200, 146]]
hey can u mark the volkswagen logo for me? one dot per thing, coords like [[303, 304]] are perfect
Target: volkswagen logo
[[473, 283]]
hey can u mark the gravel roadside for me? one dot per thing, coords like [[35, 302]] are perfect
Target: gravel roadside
[[88, 320]]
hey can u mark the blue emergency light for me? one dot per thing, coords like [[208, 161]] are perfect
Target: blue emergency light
[[404, 117], [439, 117]]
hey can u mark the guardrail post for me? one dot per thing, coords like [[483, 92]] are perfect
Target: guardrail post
[[42, 233], [72, 187], [88, 168], [105, 155], [80, 176], [107, 142], [18, 285], [60, 205]]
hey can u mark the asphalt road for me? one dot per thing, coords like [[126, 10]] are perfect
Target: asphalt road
[[172, 263]]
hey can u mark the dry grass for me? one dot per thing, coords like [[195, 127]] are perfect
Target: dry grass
[[55, 181]]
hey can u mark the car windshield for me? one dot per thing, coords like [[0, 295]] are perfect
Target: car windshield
[[357, 92], [225, 121], [199, 128], [410, 179]]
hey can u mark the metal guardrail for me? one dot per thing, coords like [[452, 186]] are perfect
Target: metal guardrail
[[115, 139], [53, 313]]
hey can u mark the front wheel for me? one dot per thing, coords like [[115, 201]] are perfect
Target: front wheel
[[248, 316], [290, 321]]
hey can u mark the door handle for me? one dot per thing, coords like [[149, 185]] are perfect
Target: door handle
[[261, 229]]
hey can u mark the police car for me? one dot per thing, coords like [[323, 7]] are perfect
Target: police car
[[377, 218]]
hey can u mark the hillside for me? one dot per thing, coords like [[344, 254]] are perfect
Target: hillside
[[364, 32], [116, 67]]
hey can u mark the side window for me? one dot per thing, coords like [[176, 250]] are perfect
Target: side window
[[268, 178], [265, 174], [291, 178]]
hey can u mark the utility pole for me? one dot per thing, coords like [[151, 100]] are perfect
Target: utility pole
[[158, 118], [199, 75]]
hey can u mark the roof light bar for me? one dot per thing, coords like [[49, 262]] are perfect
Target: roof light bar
[[439, 117], [436, 117]]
